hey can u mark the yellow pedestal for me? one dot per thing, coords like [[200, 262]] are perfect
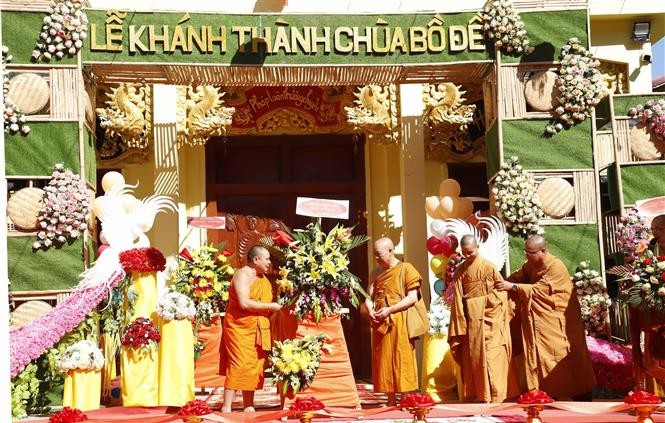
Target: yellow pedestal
[[176, 363], [83, 389], [440, 373], [144, 284], [139, 377]]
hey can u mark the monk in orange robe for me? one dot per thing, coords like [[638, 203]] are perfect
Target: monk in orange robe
[[393, 353], [479, 333], [246, 329], [555, 350]]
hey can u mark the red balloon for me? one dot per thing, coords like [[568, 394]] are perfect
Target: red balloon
[[448, 245], [435, 245]]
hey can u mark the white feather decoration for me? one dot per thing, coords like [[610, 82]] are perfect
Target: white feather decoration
[[490, 233]]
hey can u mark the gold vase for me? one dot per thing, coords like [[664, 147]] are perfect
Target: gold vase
[[306, 417], [533, 414], [419, 413], [644, 413]]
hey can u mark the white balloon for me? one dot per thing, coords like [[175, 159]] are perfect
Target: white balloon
[[111, 179], [438, 228], [102, 237]]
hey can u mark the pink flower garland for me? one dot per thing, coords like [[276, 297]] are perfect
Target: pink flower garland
[[31, 340], [612, 364]]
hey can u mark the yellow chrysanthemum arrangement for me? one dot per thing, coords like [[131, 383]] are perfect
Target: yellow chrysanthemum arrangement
[[294, 362]]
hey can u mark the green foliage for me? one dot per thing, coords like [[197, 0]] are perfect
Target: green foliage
[[642, 181]]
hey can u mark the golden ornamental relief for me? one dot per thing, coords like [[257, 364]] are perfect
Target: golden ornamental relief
[[444, 108], [286, 121], [200, 114], [615, 76], [128, 114], [375, 113]]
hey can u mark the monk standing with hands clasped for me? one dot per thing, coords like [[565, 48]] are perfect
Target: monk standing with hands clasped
[[246, 329]]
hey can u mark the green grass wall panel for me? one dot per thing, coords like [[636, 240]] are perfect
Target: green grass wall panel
[[20, 32], [642, 181], [624, 103], [53, 269], [571, 243], [47, 143], [549, 31], [569, 149]]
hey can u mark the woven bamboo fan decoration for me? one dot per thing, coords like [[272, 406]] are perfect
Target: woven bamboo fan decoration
[[29, 91], [642, 145], [557, 197], [29, 311], [23, 208], [540, 91]]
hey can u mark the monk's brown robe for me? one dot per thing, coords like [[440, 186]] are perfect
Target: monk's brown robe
[[393, 354], [555, 350], [245, 339], [479, 333]]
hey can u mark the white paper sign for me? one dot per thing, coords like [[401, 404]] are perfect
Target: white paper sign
[[319, 207]]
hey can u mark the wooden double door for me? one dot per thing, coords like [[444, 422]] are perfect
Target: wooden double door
[[254, 181]]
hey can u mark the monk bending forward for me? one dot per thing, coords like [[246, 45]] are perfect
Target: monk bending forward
[[246, 330], [479, 334], [393, 353], [556, 354]]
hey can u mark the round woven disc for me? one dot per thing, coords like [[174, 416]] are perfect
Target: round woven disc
[[29, 91], [642, 145], [29, 311], [540, 91], [23, 208], [557, 197]]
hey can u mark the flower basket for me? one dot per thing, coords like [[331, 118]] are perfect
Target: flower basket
[[294, 362], [192, 411], [82, 362], [419, 405], [644, 404], [140, 365], [644, 288], [534, 402]]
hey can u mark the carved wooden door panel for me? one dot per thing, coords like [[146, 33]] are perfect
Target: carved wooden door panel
[[254, 181]]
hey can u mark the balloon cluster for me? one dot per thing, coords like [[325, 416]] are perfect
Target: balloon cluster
[[448, 204], [442, 247], [128, 203]]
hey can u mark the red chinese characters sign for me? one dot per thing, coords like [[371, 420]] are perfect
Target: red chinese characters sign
[[298, 109]]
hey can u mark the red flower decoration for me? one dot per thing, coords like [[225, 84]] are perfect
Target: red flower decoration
[[186, 255], [647, 260], [306, 404], [142, 333], [142, 260], [641, 397], [194, 408], [68, 415], [282, 238], [534, 397], [226, 253], [416, 400]]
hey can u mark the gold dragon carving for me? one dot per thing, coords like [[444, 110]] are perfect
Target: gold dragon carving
[[375, 113], [128, 114], [200, 114], [447, 120]]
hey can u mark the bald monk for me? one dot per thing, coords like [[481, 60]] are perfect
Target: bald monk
[[649, 364], [479, 333], [246, 329], [393, 353], [555, 350]]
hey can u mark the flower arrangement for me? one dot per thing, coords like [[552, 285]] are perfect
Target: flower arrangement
[[306, 404], [142, 260], [453, 263], [439, 317], [652, 114], [415, 399], [141, 334], [645, 287], [15, 120], [315, 277], [294, 362], [191, 411], [642, 397], [83, 355], [612, 365], [66, 209], [175, 306], [631, 231], [504, 27], [594, 299], [516, 200], [204, 275], [580, 86], [534, 397], [63, 31], [68, 415]]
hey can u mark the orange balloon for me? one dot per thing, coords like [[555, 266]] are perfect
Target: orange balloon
[[449, 187], [465, 207]]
